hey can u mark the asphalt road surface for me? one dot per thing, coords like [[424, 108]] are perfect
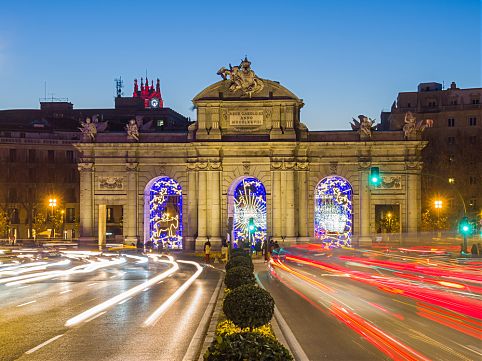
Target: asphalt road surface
[[41, 318], [348, 305]]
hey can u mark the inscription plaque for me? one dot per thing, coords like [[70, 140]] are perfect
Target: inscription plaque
[[246, 118]]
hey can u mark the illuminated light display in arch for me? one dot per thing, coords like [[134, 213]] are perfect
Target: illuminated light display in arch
[[165, 214], [334, 211], [249, 212]]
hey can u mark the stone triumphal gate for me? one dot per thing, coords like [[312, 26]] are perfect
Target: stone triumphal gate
[[250, 170]]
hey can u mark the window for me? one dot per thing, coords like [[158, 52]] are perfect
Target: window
[[472, 121], [32, 155], [32, 174], [51, 156], [473, 139], [13, 155], [453, 102], [473, 203], [475, 101], [69, 154], [473, 180], [70, 215], [432, 103], [409, 105], [12, 195], [451, 122], [160, 122], [451, 158], [110, 215], [451, 140], [14, 217], [451, 180]]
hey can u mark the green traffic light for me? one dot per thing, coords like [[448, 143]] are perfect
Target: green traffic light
[[374, 180], [465, 228]]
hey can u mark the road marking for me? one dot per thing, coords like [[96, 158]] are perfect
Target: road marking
[[43, 344], [91, 284], [145, 289], [114, 276], [61, 293], [93, 318], [26, 303], [152, 319], [122, 302], [22, 287]]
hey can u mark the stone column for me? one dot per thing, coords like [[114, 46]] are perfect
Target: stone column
[[201, 210], [290, 207], [102, 225], [276, 204], [86, 201], [364, 216], [302, 176], [191, 209], [214, 206], [412, 203], [130, 210]]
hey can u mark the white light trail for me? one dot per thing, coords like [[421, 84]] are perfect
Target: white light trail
[[124, 295], [152, 319], [29, 267], [26, 303]]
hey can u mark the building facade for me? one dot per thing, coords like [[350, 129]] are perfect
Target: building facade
[[248, 170], [452, 165]]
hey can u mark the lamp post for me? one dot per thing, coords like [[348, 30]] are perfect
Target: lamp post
[[438, 206], [53, 204]]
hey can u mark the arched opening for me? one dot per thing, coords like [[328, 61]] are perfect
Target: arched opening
[[249, 212], [334, 211], [163, 213]]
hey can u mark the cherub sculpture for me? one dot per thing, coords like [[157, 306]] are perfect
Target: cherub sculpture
[[412, 128], [364, 127], [90, 127]]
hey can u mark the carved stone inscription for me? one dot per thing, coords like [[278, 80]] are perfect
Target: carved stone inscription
[[246, 118]]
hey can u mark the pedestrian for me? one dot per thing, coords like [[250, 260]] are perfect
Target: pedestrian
[[479, 250], [207, 250], [257, 246], [224, 251], [474, 250]]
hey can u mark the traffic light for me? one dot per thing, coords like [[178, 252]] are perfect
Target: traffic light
[[375, 176], [465, 228], [251, 225]]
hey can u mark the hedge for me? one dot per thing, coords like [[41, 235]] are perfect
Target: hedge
[[246, 346], [249, 306], [240, 261], [238, 276]]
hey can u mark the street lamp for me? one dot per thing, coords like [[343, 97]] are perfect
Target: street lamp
[[53, 204], [389, 216], [438, 206]]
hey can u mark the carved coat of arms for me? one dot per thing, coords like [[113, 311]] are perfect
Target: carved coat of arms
[[242, 78]]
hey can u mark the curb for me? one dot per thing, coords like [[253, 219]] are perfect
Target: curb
[[284, 334], [205, 332]]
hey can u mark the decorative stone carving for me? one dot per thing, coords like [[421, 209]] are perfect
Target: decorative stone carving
[[287, 164], [242, 78], [246, 167], [204, 164], [302, 165], [333, 167], [364, 127], [90, 128], [85, 167], [132, 128], [111, 183], [390, 182], [413, 129]]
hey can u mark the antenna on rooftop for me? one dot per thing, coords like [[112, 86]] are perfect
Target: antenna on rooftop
[[119, 84]]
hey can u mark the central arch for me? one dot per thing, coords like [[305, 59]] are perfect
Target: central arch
[[334, 211], [163, 213], [248, 205]]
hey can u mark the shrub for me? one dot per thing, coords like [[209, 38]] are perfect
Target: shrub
[[238, 276], [227, 327], [235, 252], [246, 346], [249, 306], [240, 261]]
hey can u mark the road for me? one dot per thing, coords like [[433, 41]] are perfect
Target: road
[[351, 305], [67, 315]]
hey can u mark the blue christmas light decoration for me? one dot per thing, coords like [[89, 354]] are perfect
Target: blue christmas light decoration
[[165, 214], [249, 212], [333, 211]]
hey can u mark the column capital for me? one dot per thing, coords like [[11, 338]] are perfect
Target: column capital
[[132, 166], [85, 167]]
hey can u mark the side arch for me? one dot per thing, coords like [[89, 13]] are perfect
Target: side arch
[[333, 212], [163, 222]]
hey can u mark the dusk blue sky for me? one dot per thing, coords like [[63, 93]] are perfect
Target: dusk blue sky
[[343, 58]]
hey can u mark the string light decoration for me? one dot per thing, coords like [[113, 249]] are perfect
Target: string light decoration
[[165, 214], [249, 210], [333, 211]]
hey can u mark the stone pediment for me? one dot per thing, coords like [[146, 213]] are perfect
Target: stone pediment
[[221, 91]]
